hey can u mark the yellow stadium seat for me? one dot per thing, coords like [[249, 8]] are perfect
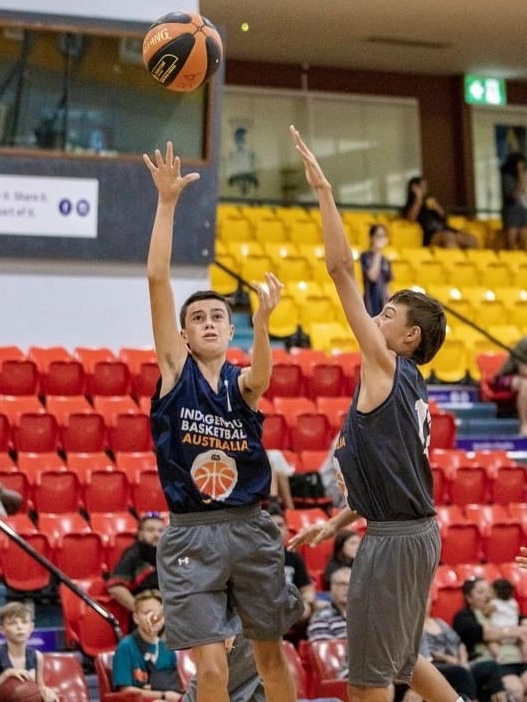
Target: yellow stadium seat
[[405, 235], [293, 268], [448, 256], [292, 214], [482, 257], [508, 334], [321, 334], [463, 274], [513, 259], [235, 230], [520, 276], [403, 274], [463, 307], [304, 232], [490, 312], [457, 221], [316, 310], [517, 314], [299, 290], [312, 252], [254, 268], [509, 295], [319, 271], [227, 210], [254, 213], [268, 230], [239, 250], [450, 363], [416, 255], [344, 344], [442, 292], [429, 272], [220, 280], [278, 251]]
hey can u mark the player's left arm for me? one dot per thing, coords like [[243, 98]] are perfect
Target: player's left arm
[[254, 380]]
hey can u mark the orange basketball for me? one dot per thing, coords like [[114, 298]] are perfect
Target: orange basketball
[[15, 690], [182, 51]]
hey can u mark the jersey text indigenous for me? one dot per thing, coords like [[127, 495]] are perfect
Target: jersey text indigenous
[[209, 449]]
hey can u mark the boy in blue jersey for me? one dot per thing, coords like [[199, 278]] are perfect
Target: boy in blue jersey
[[382, 456], [221, 559]]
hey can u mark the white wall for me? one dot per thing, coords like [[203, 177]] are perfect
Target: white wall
[[116, 9], [90, 306]]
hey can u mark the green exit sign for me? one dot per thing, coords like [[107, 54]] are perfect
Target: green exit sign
[[485, 91]]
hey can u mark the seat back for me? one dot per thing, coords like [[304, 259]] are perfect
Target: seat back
[[63, 672]]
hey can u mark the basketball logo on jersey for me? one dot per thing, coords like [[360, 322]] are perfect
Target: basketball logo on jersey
[[215, 475]]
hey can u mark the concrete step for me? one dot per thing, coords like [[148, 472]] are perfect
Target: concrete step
[[468, 410]]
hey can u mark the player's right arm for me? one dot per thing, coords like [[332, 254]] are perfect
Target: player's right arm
[[170, 348], [377, 359]]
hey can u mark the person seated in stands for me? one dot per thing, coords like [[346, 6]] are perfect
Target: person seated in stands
[[142, 660], [17, 659], [136, 570], [472, 624], [345, 548], [424, 209], [513, 376], [10, 501], [295, 573], [329, 622]]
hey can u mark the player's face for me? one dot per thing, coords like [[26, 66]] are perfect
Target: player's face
[[17, 629], [151, 531], [393, 323], [207, 326]]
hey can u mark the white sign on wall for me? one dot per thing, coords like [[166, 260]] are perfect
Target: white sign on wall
[[47, 206], [117, 9]]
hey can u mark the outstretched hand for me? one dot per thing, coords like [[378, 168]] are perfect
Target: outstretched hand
[[314, 173], [268, 296], [312, 535], [166, 173], [521, 560]]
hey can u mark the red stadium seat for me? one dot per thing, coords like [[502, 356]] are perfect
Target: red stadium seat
[[111, 406], [468, 485], [147, 495], [107, 490], [296, 668], [291, 407], [57, 525], [62, 406], [311, 432], [63, 673], [508, 484], [275, 432], [5, 433], [89, 356], [443, 433], [502, 542], [84, 463], [286, 380], [131, 462], [36, 432], [461, 543], [44, 356], [34, 464], [103, 662], [327, 380], [80, 555], [329, 659], [131, 432], [57, 491], [144, 383], [14, 406], [489, 571], [19, 377], [135, 357], [20, 571], [84, 433], [109, 378], [335, 409], [63, 378]]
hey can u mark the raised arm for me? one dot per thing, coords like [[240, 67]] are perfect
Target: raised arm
[[170, 347], [254, 380], [339, 262]]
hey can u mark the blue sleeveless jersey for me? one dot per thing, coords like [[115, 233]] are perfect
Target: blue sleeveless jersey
[[209, 444], [383, 454]]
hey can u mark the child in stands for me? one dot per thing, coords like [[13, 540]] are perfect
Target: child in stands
[[17, 659]]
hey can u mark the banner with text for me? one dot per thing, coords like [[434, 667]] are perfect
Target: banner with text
[[47, 206]]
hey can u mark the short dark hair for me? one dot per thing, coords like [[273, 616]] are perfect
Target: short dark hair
[[470, 583], [428, 314], [197, 297], [503, 588], [373, 228]]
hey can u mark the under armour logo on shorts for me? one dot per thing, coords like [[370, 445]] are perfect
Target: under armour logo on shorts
[[183, 561]]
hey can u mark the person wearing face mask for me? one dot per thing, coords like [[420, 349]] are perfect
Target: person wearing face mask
[[136, 570]]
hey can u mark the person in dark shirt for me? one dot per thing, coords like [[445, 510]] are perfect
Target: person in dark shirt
[[376, 271], [426, 210], [382, 456], [136, 570]]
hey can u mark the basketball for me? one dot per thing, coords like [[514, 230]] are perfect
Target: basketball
[[15, 690], [182, 51]]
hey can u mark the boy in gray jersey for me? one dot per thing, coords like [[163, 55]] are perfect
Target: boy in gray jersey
[[382, 457]]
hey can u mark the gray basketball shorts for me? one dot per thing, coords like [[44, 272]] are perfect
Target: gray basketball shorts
[[223, 571], [390, 581]]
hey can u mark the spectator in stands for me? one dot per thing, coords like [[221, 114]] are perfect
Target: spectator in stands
[[17, 659], [432, 218], [475, 631], [513, 376], [10, 501], [295, 573], [503, 610], [330, 621], [345, 548], [142, 659], [479, 680], [376, 271], [136, 570], [514, 203]]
